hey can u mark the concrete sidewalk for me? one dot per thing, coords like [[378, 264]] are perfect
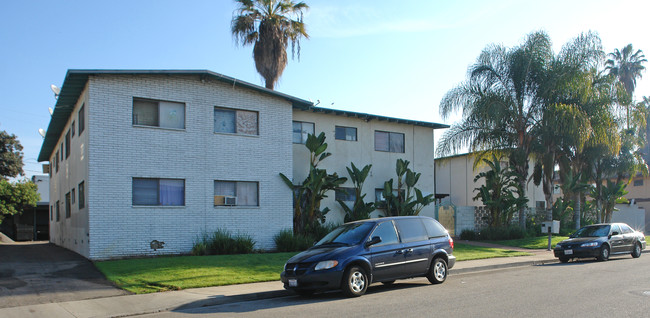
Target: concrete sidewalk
[[128, 305]]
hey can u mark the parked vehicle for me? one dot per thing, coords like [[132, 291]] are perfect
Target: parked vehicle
[[356, 254], [601, 241]]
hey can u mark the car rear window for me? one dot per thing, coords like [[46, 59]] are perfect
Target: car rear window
[[411, 230], [434, 229]]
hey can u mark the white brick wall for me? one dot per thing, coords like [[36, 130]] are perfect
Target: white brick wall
[[118, 151]]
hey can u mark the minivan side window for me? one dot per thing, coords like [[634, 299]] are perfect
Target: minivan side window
[[411, 230], [386, 231], [434, 229]]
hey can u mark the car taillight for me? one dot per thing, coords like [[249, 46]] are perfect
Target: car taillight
[[451, 242]]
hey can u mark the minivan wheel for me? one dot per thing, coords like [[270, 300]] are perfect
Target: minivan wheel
[[355, 282], [636, 252], [604, 253], [438, 271]]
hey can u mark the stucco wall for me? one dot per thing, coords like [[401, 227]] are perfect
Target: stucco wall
[[418, 150]]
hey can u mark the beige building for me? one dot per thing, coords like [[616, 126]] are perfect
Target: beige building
[[364, 139]]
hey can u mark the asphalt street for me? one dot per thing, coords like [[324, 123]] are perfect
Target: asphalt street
[[617, 288]]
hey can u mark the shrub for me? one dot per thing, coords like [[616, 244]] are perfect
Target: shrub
[[223, 242], [469, 235], [286, 241]]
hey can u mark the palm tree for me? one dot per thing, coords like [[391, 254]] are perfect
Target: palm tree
[[626, 65], [270, 25], [500, 104]]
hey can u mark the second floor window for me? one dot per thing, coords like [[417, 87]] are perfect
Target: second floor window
[[389, 141], [158, 113], [301, 130], [345, 133], [235, 121]]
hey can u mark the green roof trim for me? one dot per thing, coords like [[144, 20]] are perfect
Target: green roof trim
[[369, 117]]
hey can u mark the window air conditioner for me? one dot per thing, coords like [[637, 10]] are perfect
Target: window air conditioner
[[230, 201]]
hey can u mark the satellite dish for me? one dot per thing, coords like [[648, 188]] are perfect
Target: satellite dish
[[50, 110], [56, 90], [41, 132]]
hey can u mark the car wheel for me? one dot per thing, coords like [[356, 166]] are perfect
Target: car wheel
[[636, 252], [355, 282], [604, 253], [564, 259], [390, 282], [438, 271]]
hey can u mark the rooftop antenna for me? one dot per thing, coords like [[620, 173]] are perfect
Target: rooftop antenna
[[56, 90], [41, 132]]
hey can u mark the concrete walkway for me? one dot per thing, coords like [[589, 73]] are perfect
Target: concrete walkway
[[128, 305]]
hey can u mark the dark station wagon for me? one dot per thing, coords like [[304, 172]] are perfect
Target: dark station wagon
[[357, 254]]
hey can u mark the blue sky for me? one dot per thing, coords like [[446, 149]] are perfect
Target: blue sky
[[391, 58]]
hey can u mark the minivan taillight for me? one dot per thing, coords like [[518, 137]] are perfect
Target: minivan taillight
[[451, 242]]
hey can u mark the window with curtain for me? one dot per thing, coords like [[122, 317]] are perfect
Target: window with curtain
[[345, 133], [158, 192], [158, 113], [301, 130], [389, 141], [235, 121], [246, 192]]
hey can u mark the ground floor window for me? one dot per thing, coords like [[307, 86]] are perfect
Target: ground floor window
[[241, 193], [158, 192]]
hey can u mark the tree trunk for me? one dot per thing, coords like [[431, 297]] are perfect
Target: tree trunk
[[576, 214]]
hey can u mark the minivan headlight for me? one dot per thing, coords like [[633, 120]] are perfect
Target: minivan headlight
[[590, 244], [325, 265]]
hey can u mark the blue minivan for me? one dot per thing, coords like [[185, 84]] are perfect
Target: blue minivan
[[357, 254]]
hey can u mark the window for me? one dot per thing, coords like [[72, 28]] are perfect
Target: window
[[625, 229], [67, 144], [61, 152], [411, 230], [51, 213], [389, 141], [301, 130], [540, 204], [72, 129], [380, 201], [82, 195], [386, 231], [158, 113], [345, 194], [434, 229], [82, 119], [614, 228], [231, 121], [345, 133], [67, 205], [56, 161], [638, 182], [245, 193], [73, 195], [158, 192], [58, 211]]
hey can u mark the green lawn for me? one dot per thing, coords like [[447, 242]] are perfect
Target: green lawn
[[540, 242], [149, 275]]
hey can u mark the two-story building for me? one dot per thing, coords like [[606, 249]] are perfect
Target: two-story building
[[145, 162]]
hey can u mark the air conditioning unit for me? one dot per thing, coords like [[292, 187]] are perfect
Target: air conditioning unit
[[230, 201]]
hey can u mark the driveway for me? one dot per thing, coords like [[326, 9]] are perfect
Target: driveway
[[40, 272]]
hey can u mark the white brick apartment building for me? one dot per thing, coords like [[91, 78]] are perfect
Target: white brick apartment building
[[143, 162]]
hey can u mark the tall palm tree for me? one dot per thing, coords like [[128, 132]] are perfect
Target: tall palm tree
[[270, 25], [626, 65], [500, 104]]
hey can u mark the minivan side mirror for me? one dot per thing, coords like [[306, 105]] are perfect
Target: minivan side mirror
[[374, 240]]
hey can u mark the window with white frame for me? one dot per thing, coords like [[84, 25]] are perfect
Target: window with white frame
[[240, 193], [389, 141], [345, 133], [158, 192], [301, 130], [235, 121], [157, 113]]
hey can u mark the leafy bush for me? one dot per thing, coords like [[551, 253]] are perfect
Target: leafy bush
[[286, 241], [223, 242], [469, 235], [495, 234]]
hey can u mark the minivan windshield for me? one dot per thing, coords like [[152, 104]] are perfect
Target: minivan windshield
[[592, 231], [347, 234]]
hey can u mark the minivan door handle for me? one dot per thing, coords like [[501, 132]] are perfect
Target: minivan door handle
[[399, 252], [410, 250]]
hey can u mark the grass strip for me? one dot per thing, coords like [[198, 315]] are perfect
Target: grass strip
[[465, 252], [540, 242]]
